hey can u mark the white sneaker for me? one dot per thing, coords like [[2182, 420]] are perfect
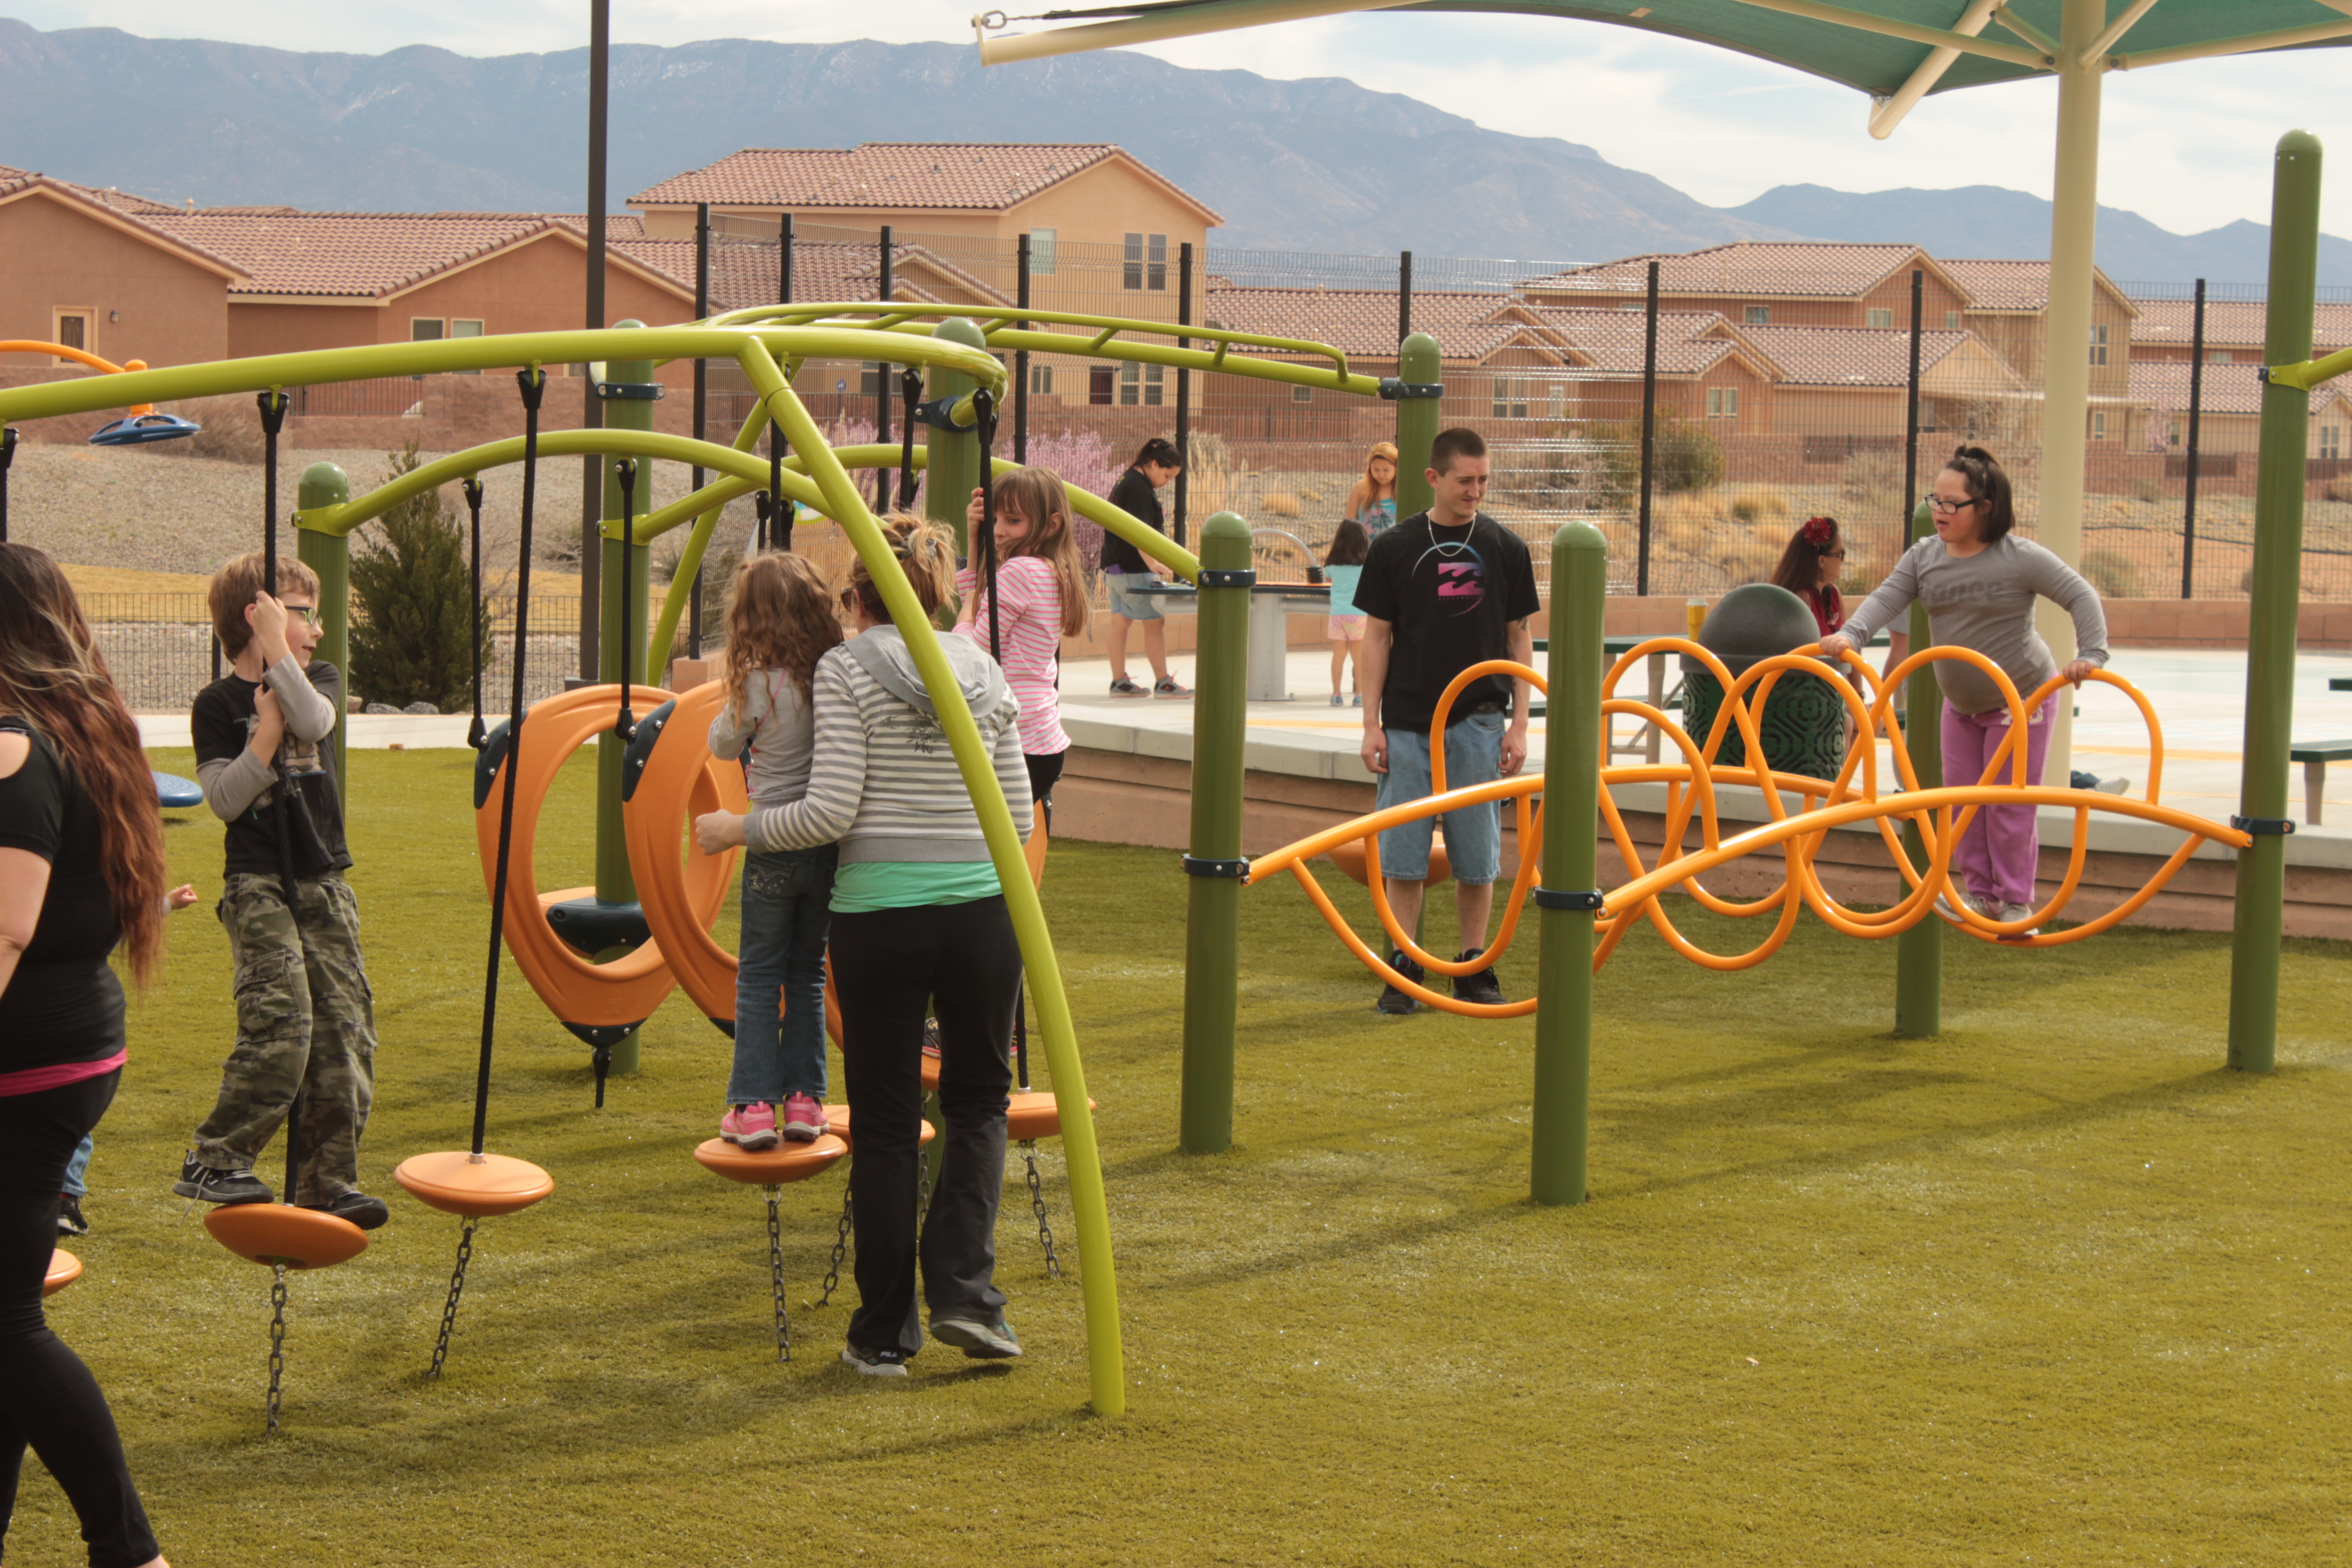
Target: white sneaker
[[2017, 913], [2113, 786]]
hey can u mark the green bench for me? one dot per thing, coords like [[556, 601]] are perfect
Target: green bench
[[2340, 683], [2314, 757]]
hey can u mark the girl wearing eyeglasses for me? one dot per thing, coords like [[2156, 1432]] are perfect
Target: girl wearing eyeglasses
[[1979, 581]]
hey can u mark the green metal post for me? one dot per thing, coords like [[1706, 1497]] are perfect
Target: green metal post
[[1213, 931], [1418, 364], [2277, 597], [954, 466], [1571, 824], [325, 486], [1919, 952], [620, 658]]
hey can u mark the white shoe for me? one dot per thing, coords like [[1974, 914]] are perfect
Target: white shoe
[[2113, 786], [2016, 912]]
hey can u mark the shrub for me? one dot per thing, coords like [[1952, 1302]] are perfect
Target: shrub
[[1279, 503], [2148, 489], [2112, 573], [232, 430], [1758, 506], [415, 630], [1687, 460]]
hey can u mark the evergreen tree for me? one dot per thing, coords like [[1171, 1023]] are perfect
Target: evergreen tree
[[412, 603]]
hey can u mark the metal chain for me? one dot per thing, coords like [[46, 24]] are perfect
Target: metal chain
[[457, 1288], [840, 1249], [1037, 1208], [776, 1275], [923, 1190], [277, 1342]]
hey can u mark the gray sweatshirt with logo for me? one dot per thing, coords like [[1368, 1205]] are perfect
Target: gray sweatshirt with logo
[[1985, 601]]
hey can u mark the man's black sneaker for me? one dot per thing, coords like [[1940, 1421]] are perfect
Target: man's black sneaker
[[874, 1364], [1394, 1000], [206, 1185], [1479, 986], [356, 1206], [979, 1340], [69, 1220]]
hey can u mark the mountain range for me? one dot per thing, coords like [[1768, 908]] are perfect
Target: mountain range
[[1313, 165]]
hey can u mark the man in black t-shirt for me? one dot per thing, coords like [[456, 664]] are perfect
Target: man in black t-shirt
[[1443, 591], [305, 1016]]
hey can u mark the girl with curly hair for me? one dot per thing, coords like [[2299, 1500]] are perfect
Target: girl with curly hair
[[780, 620]]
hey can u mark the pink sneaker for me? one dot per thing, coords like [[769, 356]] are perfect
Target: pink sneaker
[[804, 1117], [752, 1126]]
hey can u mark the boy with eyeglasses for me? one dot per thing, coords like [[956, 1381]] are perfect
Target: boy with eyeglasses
[[305, 1018]]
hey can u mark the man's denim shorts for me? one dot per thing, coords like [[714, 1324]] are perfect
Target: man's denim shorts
[[1134, 606], [1474, 834]]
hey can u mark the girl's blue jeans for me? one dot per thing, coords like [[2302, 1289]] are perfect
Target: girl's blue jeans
[[780, 975]]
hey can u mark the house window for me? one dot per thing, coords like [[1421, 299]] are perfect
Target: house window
[[2218, 356], [1041, 250], [1723, 403], [1758, 316], [2098, 425], [870, 383], [462, 328], [2172, 431], [2099, 344], [1131, 277], [1559, 400], [73, 331], [1141, 384], [1510, 399], [1951, 320], [2331, 442], [1100, 379], [1302, 394], [1155, 273], [1041, 380], [1878, 317], [427, 329]]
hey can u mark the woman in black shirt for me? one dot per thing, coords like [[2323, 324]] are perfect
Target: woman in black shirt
[[81, 872]]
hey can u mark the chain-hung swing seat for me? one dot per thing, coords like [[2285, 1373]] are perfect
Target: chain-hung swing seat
[[471, 1182]]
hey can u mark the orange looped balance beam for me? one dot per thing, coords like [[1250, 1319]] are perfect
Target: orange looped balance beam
[[1820, 806]]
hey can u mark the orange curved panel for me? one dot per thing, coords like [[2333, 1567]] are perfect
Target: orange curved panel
[[1033, 1114], [682, 892], [770, 1167], [1348, 855], [64, 1269], [836, 1121], [280, 1232], [575, 990], [476, 1185]]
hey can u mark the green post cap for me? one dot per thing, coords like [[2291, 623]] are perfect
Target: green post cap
[[323, 484], [958, 329], [1579, 535], [2298, 144], [1225, 525]]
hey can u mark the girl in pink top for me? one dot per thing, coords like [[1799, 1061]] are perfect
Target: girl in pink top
[[1041, 598]]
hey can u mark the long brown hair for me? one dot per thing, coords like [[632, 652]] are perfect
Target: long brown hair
[[1368, 490], [779, 616], [53, 676], [925, 552], [1799, 569], [1044, 502]]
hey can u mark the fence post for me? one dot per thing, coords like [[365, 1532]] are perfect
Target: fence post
[[882, 388], [1404, 295], [2196, 411], [1420, 363], [1213, 937], [1919, 952], [1020, 357], [953, 466], [592, 413], [2278, 593], [1183, 382], [323, 485], [701, 409], [1563, 1079], [1649, 433]]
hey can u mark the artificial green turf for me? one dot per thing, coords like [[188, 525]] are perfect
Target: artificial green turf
[[2057, 1286]]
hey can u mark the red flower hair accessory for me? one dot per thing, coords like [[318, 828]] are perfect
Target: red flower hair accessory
[[1818, 530]]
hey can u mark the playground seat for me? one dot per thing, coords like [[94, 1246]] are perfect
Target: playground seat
[[2314, 757]]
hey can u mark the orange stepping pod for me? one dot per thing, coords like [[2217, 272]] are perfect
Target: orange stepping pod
[[836, 1123], [770, 1167], [275, 1233], [64, 1269], [477, 1186]]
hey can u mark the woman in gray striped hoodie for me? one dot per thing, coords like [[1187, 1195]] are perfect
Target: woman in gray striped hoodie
[[919, 926]]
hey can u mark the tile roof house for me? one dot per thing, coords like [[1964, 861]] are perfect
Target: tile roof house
[[2229, 403], [1757, 283], [88, 268], [2234, 329], [2009, 301]]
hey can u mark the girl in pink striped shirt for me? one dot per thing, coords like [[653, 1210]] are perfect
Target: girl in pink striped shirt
[[1041, 598]]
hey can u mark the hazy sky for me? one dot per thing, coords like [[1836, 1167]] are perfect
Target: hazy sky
[[2188, 146]]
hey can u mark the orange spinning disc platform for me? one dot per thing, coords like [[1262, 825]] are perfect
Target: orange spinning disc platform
[[64, 1269], [836, 1123], [477, 1186], [770, 1167], [272, 1233], [624, 992]]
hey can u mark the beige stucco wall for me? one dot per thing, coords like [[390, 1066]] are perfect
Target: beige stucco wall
[[53, 255]]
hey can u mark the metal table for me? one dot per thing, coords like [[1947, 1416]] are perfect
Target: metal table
[[1271, 607]]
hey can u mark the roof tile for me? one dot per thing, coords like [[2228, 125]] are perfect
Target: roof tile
[[1777, 271], [943, 176]]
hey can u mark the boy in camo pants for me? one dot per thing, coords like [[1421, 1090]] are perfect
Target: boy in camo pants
[[305, 1016]]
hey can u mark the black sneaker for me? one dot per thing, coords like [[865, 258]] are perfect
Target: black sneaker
[[206, 1185], [356, 1206], [977, 1339], [1394, 1000], [69, 1220], [1167, 686], [1123, 687], [1481, 987], [874, 1364]]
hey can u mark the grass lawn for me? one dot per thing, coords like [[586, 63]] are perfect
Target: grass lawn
[[2055, 1288]]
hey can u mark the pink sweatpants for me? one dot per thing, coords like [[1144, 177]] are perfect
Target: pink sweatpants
[[1998, 855]]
